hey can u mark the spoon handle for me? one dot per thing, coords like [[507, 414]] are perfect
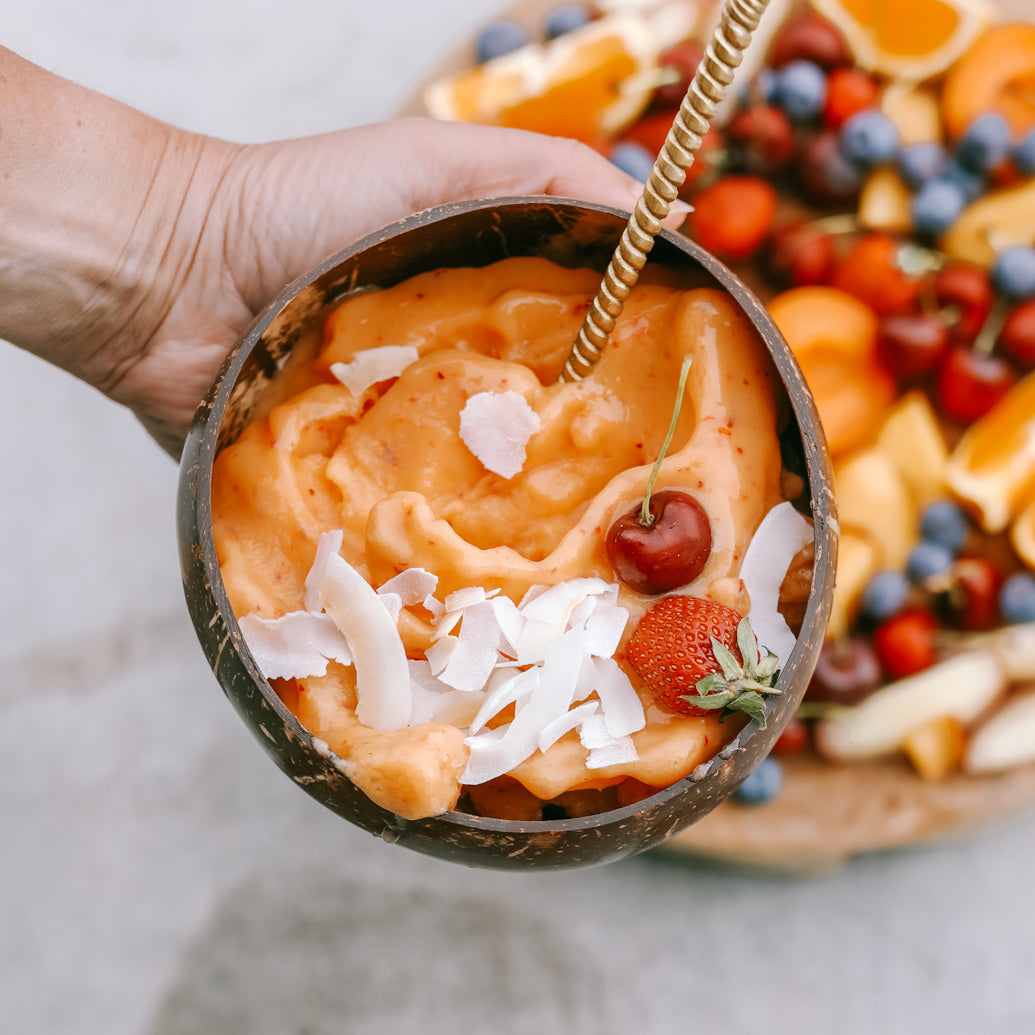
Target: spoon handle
[[725, 50]]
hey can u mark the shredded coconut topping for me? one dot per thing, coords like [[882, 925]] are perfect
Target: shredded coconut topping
[[371, 366], [546, 663], [496, 428]]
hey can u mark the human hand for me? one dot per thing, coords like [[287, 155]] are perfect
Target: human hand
[[276, 210]]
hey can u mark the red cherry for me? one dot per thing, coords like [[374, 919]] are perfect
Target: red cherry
[[971, 383], [763, 137], [966, 289], [846, 672], [870, 271], [793, 740], [974, 593], [800, 254], [681, 60], [824, 175], [665, 555], [732, 216], [1017, 336], [849, 91], [912, 345], [809, 37], [905, 643]]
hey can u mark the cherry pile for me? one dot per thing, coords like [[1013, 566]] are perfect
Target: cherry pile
[[777, 187]]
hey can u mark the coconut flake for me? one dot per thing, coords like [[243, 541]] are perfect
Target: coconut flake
[[467, 596], [620, 703], [570, 720], [477, 649], [328, 545], [413, 586], [604, 749], [384, 698], [508, 690], [496, 428], [294, 645], [371, 366], [440, 653], [782, 533]]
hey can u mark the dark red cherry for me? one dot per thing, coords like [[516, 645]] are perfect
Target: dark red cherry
[[846, 672], [912, 345], [1017, 337], [966, 290], [665, 555], [971, 383]]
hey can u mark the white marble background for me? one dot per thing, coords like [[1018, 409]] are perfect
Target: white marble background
[[158, 876]]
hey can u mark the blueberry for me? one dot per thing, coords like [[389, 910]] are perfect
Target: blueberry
[[764, 784], [985, 143], [885, 595], [870, 138], [1017, 598], [1024, 155], [972, 184], [919, 163], [946, 524], [565, 18], [633, 159], [927, 559], [936, 206], [766, 83], [1013, 272], [800, 90], [500, 38]]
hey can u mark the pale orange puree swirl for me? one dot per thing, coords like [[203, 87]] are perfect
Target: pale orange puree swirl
[[390, 469]]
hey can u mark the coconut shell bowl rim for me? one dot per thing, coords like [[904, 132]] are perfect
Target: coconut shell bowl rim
[[476, 233]]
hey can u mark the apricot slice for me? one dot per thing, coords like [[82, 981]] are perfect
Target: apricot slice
[[993, 465], [997, 73], [997, 220], [834, 338]]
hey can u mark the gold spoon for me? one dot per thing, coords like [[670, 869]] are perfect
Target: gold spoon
[[737, 22]]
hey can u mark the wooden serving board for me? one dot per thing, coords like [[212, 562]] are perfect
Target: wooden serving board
[[825, 814]]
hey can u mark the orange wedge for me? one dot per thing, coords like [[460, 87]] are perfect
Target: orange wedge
[[834, 338], [908, 39], [996, 74], [1022, 535], [589, 84], [993, 466]]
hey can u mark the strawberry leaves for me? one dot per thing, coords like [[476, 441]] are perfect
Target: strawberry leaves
[[738, 687]]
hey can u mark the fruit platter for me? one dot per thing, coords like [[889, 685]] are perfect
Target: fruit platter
[[873, 180]]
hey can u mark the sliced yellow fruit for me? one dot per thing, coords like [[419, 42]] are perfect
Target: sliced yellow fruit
[[885, 202], [936, 747], [912, 439], [995, 221], [857, 563], [915, 111], [872, 498], [993, 465]]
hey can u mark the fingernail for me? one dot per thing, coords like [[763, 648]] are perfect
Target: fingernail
[[677, 213]]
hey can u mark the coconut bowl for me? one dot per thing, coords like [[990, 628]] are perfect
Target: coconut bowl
[[259, 373]]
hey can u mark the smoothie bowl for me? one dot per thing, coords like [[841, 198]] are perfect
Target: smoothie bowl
[[460, 602]]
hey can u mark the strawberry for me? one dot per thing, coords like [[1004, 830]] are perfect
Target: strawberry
[[696, 655]]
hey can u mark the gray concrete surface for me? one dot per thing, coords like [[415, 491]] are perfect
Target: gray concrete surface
[[158, 876]]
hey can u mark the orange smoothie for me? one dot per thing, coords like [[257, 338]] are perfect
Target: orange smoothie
[[437, 446]]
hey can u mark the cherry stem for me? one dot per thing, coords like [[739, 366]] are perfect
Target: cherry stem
[[988, 336], [646, 517]]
